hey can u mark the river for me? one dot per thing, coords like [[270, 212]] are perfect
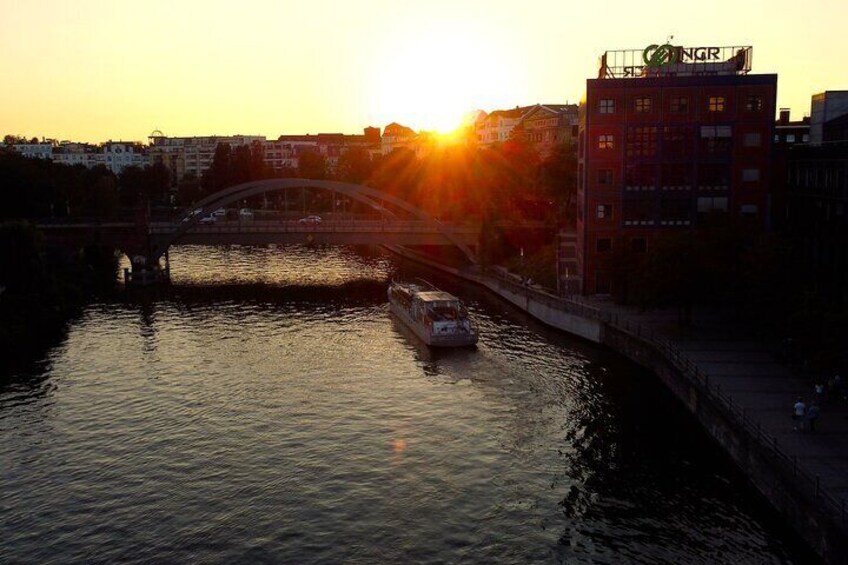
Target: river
[[266, 408]]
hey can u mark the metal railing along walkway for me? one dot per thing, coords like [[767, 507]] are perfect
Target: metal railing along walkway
[[788, 464]]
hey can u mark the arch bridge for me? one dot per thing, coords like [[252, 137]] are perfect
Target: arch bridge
[[393, 222]]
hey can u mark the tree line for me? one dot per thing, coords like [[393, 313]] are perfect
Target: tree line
[[508, 181]]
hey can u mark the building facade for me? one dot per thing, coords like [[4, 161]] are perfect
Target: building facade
[[814, 211], [826, 106], [35, 150], [547, 125], [497, 126], [665, 144], [114, 155], [192, 155], [396, 136]]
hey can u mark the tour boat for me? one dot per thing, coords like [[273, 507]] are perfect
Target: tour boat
[[437, 317]]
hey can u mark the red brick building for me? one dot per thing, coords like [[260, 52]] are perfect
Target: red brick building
[[664, 144]]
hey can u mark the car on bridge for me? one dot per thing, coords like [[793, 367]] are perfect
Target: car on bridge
[[210, 219], [310, 220]]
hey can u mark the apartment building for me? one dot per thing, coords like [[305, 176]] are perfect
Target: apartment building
[[668, 135], [548, 125]]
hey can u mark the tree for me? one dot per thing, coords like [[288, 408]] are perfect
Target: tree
[[151, 183], [311, 165], [189, 190], [219, 175], [558, 179], [355, 165]]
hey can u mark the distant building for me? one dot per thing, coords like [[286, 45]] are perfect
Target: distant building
[[396, 136], [285, 150], [549, 125], [114, 155], [814, 208], [42, 150], [192, 155], [788, 133], [118, 155], [668, 135], [72, 153], [825, 107], [497, 126]]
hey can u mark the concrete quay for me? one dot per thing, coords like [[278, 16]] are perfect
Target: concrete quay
[[733, 385]]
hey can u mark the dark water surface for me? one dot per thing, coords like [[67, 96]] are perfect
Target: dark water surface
[[267, 408]]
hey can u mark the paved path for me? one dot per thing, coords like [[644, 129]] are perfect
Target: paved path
[[748, 372]]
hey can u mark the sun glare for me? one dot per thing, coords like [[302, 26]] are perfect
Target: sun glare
[[432, 80]]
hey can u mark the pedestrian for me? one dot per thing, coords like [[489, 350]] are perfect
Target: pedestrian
[[799, 410], [819, 392], [812, 416]]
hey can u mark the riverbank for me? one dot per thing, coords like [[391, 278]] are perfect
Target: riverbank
[[735, 389], [42, 287]]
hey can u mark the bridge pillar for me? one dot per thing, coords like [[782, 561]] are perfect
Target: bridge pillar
[[146, 273]]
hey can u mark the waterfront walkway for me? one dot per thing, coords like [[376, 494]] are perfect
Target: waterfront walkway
[[747, 376]]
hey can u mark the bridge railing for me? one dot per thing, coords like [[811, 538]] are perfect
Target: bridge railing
[[295, 226]]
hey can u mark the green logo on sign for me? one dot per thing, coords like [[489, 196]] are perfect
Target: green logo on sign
[[659, 55]]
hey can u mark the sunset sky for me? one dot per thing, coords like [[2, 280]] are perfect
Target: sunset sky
[[96, 70]]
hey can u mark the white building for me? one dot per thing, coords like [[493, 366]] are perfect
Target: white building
[[114, 155], [35, 150], [118, 155], [497, 126]]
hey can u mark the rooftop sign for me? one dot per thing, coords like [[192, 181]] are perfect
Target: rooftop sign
[[673, 60]]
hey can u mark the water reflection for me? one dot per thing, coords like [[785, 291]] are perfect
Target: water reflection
[[284, 415]]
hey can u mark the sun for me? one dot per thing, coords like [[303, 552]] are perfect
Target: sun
[[432, 80]]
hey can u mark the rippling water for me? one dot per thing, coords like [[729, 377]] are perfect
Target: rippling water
[[267, 408]]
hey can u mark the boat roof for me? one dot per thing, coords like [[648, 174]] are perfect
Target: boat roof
[[436, 296]]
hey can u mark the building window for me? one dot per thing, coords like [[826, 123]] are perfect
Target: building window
[[638, 245], [603, 244], [641, 142], [805, 138], [790, 138], [752, 140], [716, 139], [750, 175], [604, 211], [605, 176], [640, 177], [715, 104], [677, 141], [754, 104], [749, 210], [605, 141], [708, 204], [643, 105], [679, 105], [606, 106]]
